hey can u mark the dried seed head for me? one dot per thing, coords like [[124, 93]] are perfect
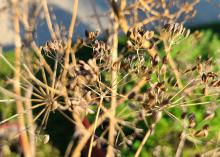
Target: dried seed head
[[91, 35], [139, 38], [174, 32], [54, 46]]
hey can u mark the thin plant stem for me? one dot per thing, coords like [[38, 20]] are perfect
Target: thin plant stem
[[148, 133], [69, 41], [47, 16], [19, 104], [173, 65], [95, 125], [182, 141], [114, 57], [30, 121]]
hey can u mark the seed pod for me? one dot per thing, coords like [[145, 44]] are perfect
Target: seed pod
[[204, 78], [187, 33], [209, 115], [46, 138], [184, 114], [128, 34], [156, 115], [203, 132], [215, 83], [131, 95], [54, 105], [165, 102], [129, 44], [149, 34], [191, 119], [212, 75], [155, 60], [88, 96]]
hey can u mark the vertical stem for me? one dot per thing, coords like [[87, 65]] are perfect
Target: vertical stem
[[69, 41], [20, 109], [182, 140], [112, 131], [47, 16], [148, 133], [95, 125], [30, 121], [173, 66]]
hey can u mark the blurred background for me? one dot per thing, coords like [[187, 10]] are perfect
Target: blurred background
[[207, 15]]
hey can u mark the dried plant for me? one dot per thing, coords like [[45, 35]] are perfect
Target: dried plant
[[119, 89]]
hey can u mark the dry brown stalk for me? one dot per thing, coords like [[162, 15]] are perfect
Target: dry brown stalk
[[114, 58], [20, 109], [30, 121], [47, 15], [172, 64], [69, 41]]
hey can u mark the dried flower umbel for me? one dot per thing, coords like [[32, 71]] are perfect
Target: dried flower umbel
[[139, 38], [174, 33]]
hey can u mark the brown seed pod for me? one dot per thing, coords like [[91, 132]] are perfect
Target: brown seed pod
[[184, 114], [212, 75], [155, 60], [156, 115], [165, 102], [204, 78], [91, 35], [131, 95], [215, 83], [209, 115], [203, 132], [191, 119]]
